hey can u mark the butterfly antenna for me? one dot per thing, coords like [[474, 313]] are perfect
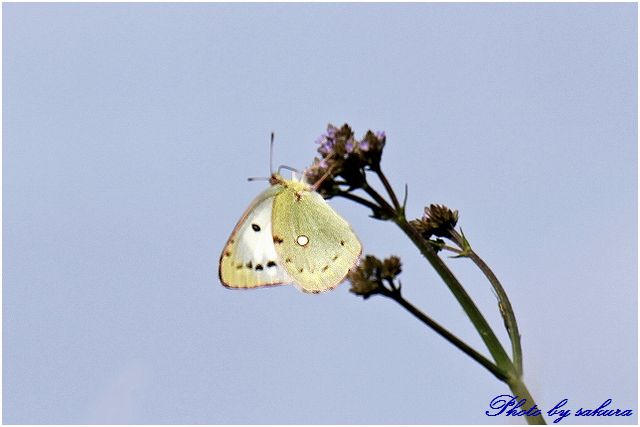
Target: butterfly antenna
[[271, 154], [258, 178], [262, 178]]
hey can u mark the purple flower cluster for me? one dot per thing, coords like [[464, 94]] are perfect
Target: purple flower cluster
[[342, 155], [341, 142]]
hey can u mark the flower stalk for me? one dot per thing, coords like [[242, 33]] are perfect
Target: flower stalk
[[347, 161], [506, 310]]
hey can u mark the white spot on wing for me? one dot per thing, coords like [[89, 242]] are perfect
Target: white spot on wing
[[302, 240]]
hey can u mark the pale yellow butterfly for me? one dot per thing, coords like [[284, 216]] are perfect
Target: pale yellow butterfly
[[289, 234]]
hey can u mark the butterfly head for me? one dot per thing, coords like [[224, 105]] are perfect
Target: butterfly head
[[294, 183]]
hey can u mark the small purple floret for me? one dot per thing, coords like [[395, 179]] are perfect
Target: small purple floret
[[326, 146], [349, 146]]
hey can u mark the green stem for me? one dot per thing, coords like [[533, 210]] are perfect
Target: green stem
[[514, 378], [478, 320], [390, 192], [508, 372], [476, 317], [360, 200], [383, 204], [464, 347], [447, 247], [506, 310], [520, 390]]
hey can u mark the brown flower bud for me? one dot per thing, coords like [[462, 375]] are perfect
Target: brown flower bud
[[367, 278], [391, 267], [438, 220]]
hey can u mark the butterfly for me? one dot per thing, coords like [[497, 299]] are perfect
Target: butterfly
[[289, 234]]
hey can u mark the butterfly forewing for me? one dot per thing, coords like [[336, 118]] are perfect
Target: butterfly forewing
[[315, 245], [249, 258]]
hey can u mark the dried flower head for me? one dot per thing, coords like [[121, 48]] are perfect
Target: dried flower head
[[391, 267], [343, 156], [438, 220], [367, 278], [371, 146]]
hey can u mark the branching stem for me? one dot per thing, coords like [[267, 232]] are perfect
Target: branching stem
[[486, 333], [505, 305], [360, 200], [444, 333], [385, 182], [503, 368]]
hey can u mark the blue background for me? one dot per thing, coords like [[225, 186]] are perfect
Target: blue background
[[129, 132]]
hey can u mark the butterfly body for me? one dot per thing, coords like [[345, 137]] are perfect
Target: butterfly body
[[289, 234]]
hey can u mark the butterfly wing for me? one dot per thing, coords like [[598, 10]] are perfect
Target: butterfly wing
[[249, 258], [315, 245]]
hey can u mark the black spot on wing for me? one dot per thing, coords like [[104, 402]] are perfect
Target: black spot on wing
[[255, 227], [271, 264], [259, 267]]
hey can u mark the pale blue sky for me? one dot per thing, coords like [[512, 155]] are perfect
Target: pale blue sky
[[129, 132]]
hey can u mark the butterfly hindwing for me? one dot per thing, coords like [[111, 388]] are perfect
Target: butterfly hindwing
[[249, 258], [315, 245]]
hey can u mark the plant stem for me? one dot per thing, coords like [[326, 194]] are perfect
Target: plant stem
[[513, 377], [503, 300], [389, 189], [464, 347], [504, 369], [383, 204], [476, 317], [448, 248], [520, 390], [360, 200]]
